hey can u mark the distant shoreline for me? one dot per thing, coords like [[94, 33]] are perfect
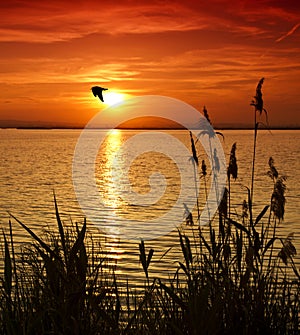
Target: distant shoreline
[[145, 128]]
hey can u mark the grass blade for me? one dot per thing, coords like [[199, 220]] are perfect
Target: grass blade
[[60, 228], [76, 246], [41, 242], [149, 257], [173, 295], [239, 226], [7, 268], [262, 213]]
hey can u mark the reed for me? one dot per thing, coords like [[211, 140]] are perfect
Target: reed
[[235, 276], [258, 105], [232, 171]]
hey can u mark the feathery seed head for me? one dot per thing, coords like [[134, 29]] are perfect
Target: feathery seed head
[[194, 149], [232, 167]]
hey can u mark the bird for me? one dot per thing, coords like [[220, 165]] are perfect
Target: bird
[[97, 91]]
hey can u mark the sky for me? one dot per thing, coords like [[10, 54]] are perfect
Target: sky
[[210, 53]]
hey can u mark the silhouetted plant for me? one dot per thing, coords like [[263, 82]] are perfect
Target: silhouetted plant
[[232, 171], [258, 105]]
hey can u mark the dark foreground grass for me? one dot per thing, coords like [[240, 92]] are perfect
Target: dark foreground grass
[[235, 276], [230, 280]]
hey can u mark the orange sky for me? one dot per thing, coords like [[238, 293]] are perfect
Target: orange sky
[[202, 52]]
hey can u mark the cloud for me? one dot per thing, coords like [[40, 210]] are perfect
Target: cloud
[[192, 71], [289, 33], [47, 22], [43, 24]]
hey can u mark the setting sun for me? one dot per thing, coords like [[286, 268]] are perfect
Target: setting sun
[[112, 98]]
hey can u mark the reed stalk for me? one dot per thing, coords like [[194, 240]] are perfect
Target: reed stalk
[[258, 105]]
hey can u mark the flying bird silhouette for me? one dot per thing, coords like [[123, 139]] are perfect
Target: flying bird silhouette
[[97, 91]]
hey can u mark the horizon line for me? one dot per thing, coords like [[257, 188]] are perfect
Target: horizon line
[[147, 128]]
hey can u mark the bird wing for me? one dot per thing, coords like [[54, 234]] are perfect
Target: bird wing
[[94, 90], [100, 96]]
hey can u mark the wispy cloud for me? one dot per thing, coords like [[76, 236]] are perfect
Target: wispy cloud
[[52, 70], [41, 24], [289, 33], [44, 22]]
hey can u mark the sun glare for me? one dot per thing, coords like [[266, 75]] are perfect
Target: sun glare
[[112, 98]]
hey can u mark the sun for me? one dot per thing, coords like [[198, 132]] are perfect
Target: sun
[[113, 98]]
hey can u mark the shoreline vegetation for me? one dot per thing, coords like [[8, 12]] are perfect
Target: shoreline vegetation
[[236, 275]]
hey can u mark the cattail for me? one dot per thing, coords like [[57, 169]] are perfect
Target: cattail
[[278, 198], [232, 167], [194, 149], [272, 173]]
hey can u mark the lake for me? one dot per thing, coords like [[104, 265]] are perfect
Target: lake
[[34, 163]]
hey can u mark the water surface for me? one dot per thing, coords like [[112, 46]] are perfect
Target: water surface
[[34, 163]]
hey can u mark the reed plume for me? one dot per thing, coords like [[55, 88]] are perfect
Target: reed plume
[[232, 171], [205, 112], [258, 102], [272, 173], [194, 152], [278, 198], [288, 250], [245, 209], [232, 167], [195, 164], [188, 216], [206, 128]]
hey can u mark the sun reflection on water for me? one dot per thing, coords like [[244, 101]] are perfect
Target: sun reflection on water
[[106, 156], [108, 189], [113, 159]]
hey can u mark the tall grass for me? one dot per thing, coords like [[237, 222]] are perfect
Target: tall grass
[[57, 286], [235, 276]]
